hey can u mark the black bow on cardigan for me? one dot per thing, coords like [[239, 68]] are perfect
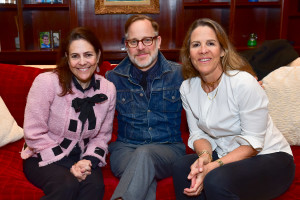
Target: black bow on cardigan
[[85, 107]]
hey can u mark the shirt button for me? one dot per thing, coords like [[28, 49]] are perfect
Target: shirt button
[[150, 128], [123, 99], [149, 110], [173, 97], [141, 94]]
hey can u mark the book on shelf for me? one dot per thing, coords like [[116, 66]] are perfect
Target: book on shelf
[[47, 1], [263, 0], [8, 1]]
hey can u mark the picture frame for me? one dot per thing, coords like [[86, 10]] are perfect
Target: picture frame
[[45, 41], [126, 6], [55, 36]]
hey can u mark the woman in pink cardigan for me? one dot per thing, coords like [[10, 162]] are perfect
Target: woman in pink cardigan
[[68, 123]]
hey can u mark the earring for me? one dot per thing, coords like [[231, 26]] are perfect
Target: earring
[[98, 68]]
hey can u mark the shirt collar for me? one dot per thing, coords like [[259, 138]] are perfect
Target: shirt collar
[[93, 84], [151, 73]]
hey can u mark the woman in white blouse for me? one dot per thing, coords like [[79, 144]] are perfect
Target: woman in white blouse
[[240, 154]]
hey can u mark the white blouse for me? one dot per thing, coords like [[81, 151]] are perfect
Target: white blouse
[[234, 114]]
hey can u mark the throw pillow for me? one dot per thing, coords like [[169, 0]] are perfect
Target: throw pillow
[[269, 56], [9, 129], [282, 88]]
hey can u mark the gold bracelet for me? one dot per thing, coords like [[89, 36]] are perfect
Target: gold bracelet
[[220, 162], [205, 151]]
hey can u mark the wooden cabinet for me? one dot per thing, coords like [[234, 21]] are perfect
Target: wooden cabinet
[[239, 18], [8, 20], [22, 22], [269, 19], [291, 23]]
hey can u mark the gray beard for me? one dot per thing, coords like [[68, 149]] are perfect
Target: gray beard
[[148, 63]]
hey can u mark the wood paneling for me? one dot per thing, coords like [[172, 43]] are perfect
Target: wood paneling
[[110, 28], [269, 20]]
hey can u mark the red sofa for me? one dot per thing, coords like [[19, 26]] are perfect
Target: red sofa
[[15, 82]]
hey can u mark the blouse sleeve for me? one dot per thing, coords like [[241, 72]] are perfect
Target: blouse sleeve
[[195, 132], [253, 109]]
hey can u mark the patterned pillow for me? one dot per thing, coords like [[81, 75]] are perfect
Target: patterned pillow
[[283, 89], [9, 129]]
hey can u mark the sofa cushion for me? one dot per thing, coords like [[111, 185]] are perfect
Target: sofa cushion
[[14, 184], [9, 129], [15, 83], [282, 88]]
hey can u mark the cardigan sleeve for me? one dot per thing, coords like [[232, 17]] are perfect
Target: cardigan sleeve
[[97, 146], [37, 110]]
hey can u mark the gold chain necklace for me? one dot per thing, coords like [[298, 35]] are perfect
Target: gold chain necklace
[[213, 96], [211, 84]]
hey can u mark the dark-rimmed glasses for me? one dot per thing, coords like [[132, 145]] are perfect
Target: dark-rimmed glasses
[[147, 41]]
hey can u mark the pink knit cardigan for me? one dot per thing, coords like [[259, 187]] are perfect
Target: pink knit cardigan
[[47, 121]]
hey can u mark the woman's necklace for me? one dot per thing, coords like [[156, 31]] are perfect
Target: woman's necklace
[[211, 84], [213, 96]]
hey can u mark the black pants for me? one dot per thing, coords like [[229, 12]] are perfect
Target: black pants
[[58, 183], [262, 177]]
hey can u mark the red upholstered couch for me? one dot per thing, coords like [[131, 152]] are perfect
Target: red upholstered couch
[[15, 82]]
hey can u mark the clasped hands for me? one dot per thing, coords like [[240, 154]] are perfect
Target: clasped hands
[[199, 169], [81, 169]]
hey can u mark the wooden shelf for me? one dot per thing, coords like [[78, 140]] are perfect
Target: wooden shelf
[[7, 6], [212, 4], [294, 15], [50, 56], [259, 4], [45, 6], [28, 57], [269, 20]]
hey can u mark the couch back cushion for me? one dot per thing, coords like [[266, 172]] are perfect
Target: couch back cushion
[[282, 88], [15, 82]]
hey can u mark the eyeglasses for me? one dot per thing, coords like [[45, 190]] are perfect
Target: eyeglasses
[[147, 41]]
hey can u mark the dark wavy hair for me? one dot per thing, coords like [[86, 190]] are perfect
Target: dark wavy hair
[[63, 70], [231, 59]]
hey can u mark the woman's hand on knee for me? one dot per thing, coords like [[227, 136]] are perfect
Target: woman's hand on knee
[[85, 166], [196, 186], [196, 168], [77, 173], [81, 169], [197, 175]]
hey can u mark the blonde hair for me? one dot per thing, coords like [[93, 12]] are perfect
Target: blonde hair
[[231, 59]]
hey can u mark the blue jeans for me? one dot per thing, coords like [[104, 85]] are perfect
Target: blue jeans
[[139, 167], [260, 177]]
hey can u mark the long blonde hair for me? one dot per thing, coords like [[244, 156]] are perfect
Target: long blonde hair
[[231, 59]]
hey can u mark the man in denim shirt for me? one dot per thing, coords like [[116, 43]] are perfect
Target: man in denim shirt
[[149, 113]]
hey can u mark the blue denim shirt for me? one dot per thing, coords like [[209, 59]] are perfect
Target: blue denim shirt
[[154, 120]]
